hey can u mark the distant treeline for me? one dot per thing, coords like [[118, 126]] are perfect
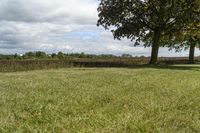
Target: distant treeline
[[59, 55], [41, 60]]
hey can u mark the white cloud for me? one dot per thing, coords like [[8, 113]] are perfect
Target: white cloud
[[59, 25], [56, 11]]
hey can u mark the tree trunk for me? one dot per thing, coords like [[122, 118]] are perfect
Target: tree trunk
[[155, 48], [191, 54]]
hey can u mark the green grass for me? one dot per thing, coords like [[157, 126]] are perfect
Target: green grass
[[101, 100]]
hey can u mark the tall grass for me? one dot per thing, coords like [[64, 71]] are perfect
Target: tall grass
[[24, 65]]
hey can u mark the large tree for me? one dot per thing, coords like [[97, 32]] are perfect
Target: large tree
[[145, 20]]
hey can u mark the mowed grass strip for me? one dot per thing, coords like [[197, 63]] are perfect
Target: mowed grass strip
[[103, 100]]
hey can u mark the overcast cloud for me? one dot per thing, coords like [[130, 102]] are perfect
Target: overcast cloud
[[60, 25]]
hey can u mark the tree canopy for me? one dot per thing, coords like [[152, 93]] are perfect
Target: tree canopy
[[146, 20]]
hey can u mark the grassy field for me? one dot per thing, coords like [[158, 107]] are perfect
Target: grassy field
[[163, 99]]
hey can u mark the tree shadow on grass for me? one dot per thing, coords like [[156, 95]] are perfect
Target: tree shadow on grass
[[195, 67]]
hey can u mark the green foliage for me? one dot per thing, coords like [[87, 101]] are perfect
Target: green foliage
[[140, 19], [40, 54], [60, 55], [29, 55], [146, 20], [143, 100], [187, 37]]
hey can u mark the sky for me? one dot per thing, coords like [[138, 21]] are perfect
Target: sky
[[61, 25]]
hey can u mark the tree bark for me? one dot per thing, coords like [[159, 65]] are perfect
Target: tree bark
[[155, 48], [191, 54]]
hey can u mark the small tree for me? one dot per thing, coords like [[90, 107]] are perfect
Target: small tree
[[192, 40], [53, 55], [29, 55], [61, 55], [145, 20], [188, 38], [40, 55]]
